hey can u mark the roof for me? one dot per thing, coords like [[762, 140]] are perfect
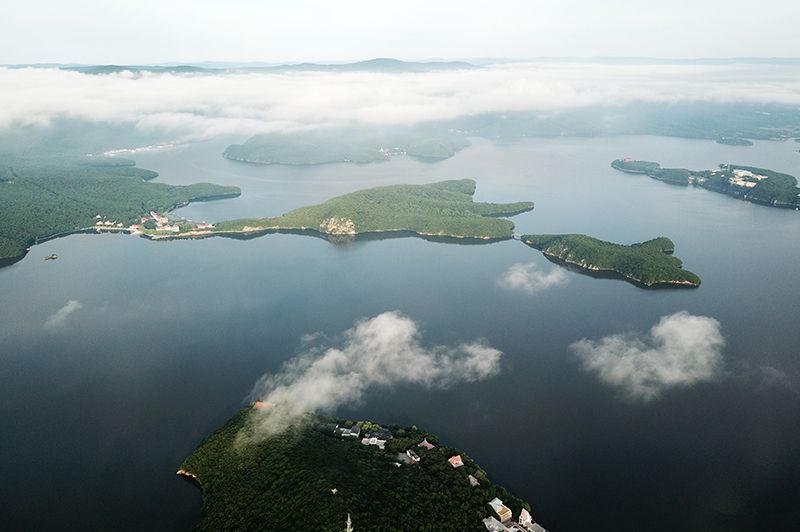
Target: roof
[[456, 461], [425, 443], [493, 525]]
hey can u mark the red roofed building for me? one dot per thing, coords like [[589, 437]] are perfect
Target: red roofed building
[[425, 443], [455, 461]]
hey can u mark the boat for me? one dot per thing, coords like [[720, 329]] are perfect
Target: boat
[[51, 257]]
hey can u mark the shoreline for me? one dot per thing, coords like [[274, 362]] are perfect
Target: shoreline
[[8, 261], [590, 269]]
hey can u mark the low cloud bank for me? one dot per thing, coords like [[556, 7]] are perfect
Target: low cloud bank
[[59, 319], [379, 352], [528, 278], [206, 106], [680, 350]]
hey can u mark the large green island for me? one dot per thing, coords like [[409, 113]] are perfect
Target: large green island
[[647, 263], [756, 185], [443, 209], [324, 470], [346, 145]]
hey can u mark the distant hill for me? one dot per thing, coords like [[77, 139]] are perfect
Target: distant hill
[[355, 145], [393, 66]]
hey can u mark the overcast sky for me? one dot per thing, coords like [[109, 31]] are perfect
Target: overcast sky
[[159, 31]]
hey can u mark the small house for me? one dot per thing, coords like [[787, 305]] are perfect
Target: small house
[[425, 443], [456, 461], [473, 482], [413, 456], [503, 511], [493, 525]]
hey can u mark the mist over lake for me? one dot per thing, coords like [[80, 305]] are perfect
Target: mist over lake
[[120, 356]]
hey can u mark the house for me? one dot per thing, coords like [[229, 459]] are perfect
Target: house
[[493, 525], [382, 434], [374, 441], [261, 405], [525, 518], [503, 511], [353, 431], [473, 482], [413, 456], [425, 443], [456, 461]]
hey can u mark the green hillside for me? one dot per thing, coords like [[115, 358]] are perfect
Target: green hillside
[[39, 202], [648, 262], [445, 208], [354, 145], [288, 480]]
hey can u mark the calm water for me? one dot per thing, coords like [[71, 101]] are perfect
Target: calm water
[[166, 339]]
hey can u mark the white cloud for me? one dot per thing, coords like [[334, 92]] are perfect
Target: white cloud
[[59, 319], [680, 350], [528, 278], [206, 106], [379, 352]]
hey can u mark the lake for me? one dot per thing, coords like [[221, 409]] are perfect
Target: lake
[[120, 356]]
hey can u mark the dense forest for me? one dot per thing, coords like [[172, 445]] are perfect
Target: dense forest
[[648, 263], [445, 208], [39, 202], [286, 482], [757, 185]]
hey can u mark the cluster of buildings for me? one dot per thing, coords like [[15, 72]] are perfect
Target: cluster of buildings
[[506, 524], [106, 223], [162, 223], [392, 151], [379, 437], [744, 178]]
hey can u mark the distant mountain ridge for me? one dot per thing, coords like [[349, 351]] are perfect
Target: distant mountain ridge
[[386, 65]]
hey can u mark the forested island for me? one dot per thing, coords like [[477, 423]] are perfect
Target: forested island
[[735, 141], [342, 145], [324, 470], [648, 263], [756, 185], [40, 202], [444, 209]]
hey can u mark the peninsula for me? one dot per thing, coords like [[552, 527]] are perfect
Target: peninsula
[[756, 185], [325, 471], [443, 209], [647, 263], [43, 202]]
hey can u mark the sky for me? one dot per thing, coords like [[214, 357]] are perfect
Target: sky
[[153, 32]]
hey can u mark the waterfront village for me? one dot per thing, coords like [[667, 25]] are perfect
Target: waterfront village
[[162, 224], [378, 437]]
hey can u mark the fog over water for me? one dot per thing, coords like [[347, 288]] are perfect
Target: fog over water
[[203, 106], [120, 356]]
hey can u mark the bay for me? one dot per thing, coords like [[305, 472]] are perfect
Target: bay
[[101, 399]]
